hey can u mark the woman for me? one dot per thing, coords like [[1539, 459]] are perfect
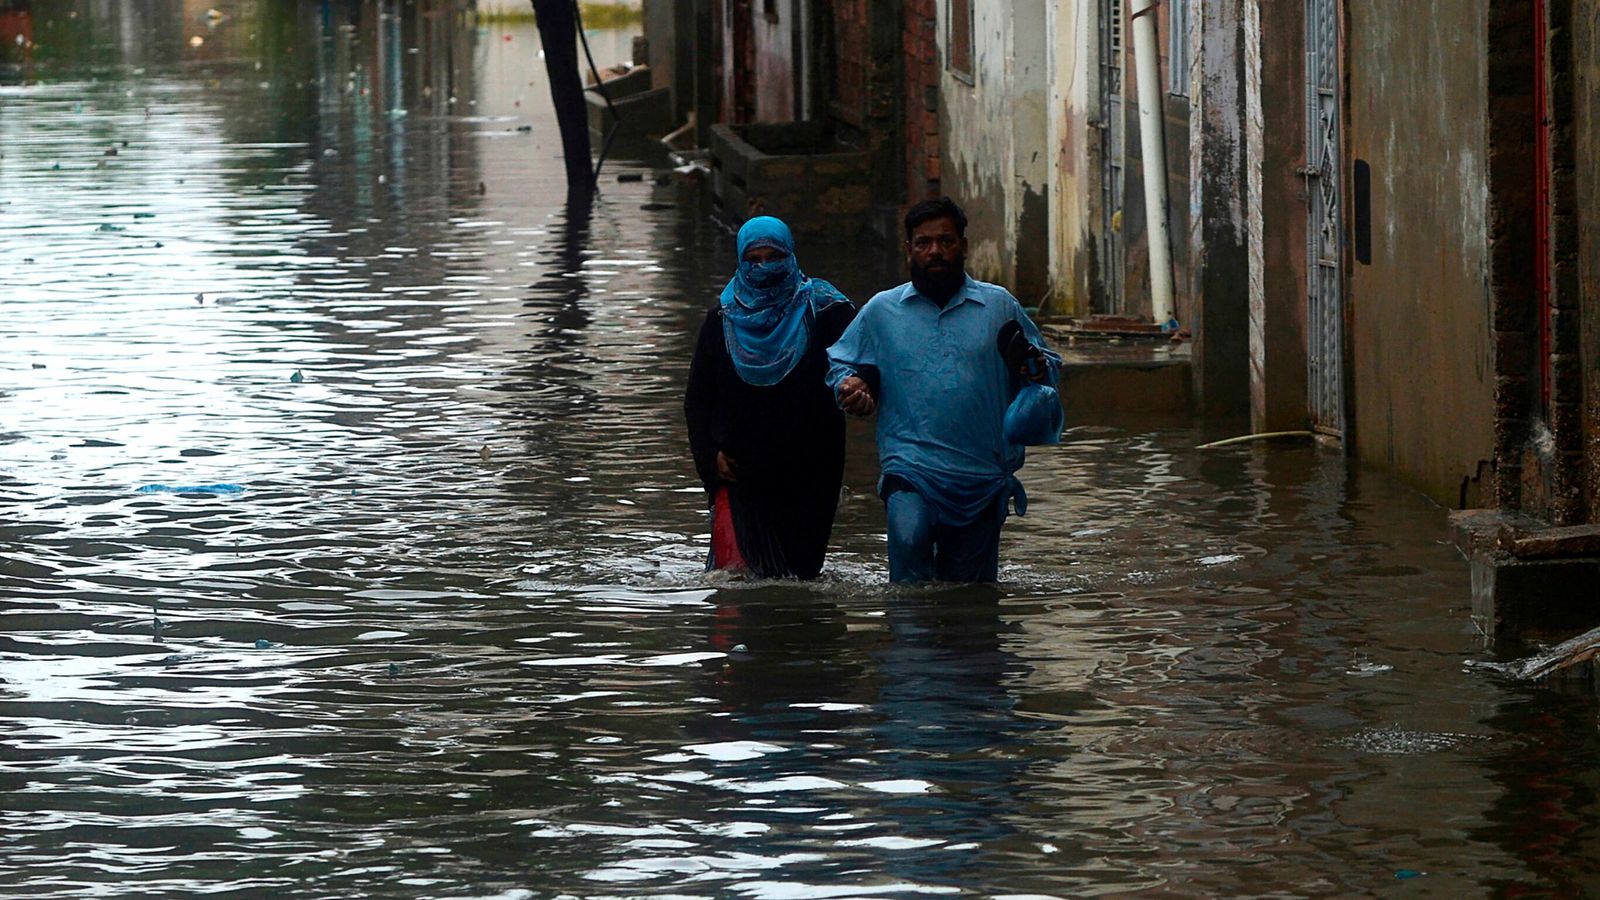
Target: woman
[[767, 437]]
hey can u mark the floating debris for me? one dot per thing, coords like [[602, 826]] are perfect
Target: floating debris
[[626, 177], [485, 453], [107, 226], [1575, 656], [192, 489], [297, 377]]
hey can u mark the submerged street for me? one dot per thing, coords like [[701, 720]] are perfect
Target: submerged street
[[350, 546]]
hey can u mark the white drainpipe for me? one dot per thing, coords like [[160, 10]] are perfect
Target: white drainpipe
[[1152, 143]]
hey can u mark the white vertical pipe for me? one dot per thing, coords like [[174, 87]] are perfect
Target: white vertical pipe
[[1153, 145]]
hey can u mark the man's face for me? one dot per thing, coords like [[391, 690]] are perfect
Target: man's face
[[936, 246], [937, 256]]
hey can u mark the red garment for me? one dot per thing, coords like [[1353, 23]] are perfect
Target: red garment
[[724, 545]]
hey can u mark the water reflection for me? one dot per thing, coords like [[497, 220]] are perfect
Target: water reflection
[[454, 636]]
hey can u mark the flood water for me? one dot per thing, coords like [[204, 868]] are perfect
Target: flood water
[[349, 546]]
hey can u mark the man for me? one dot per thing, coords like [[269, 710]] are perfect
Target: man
[[938, 362]]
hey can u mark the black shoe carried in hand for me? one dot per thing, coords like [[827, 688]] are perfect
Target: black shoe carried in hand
[[1020, 354]]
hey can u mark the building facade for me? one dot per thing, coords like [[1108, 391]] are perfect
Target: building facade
[[1382, 219]]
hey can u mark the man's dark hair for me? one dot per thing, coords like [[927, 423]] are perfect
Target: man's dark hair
[[928, 210]]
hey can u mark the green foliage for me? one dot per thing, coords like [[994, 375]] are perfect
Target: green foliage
[[595, 15]]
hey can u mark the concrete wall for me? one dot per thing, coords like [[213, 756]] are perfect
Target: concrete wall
[[994, 145], [1074, 200], [1422, 378]]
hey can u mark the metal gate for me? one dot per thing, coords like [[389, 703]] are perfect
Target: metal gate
[[1112, 137], [1324, 220]]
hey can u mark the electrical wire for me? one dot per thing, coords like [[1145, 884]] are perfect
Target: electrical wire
[[616, 120]]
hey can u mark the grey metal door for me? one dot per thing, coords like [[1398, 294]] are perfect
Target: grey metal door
[[1324, 220], [1112, 137]]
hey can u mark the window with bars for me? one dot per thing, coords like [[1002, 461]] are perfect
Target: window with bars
[[1112, 45], [960, 38], [1178, 47]]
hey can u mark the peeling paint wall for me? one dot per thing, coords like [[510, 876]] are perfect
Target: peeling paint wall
[[994, 133], [1419, 315], [1075, 177], [778, 64], [761, 60]]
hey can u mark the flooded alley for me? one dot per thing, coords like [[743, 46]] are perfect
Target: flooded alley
[[350, 546]]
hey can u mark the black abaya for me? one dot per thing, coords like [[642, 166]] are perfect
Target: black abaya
[[787, 441]]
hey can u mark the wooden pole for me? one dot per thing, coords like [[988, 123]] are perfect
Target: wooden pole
[[558, 33]]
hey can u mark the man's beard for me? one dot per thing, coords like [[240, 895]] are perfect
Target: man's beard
[[939, 285]]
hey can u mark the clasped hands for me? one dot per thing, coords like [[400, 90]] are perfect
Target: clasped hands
[[855, 398]]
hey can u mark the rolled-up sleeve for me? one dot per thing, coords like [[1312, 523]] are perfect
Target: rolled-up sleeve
[[854, 352]]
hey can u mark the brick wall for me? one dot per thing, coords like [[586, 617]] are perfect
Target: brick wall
[[850, 60], [922, 71], [1511, 243], [1584, 25], [1565, 413], [1541, 464]]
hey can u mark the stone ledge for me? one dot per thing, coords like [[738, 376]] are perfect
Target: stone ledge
[[1528, 579], [1521, 537], [1101, 384], [1514, 600]]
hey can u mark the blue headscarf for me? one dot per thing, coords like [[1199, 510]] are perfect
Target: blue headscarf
[[768, 308]]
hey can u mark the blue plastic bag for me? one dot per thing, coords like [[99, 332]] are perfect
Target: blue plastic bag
[[1034, 416]]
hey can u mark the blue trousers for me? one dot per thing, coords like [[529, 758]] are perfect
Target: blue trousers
[[922, 549]]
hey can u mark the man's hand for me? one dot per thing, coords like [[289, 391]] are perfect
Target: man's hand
[[855, 399], [727, 467], [1021, 356]]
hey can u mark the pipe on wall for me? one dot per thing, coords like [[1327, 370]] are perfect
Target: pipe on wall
[[1152, 143]]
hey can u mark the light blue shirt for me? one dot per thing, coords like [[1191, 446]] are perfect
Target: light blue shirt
[[943, 392]]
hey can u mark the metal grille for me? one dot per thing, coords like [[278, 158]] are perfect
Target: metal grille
[[1325, 226], [1112, 135]]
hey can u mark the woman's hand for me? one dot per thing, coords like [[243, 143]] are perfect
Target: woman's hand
[[727, 467]]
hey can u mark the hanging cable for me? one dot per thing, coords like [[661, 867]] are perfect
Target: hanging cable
[[616, 120]]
